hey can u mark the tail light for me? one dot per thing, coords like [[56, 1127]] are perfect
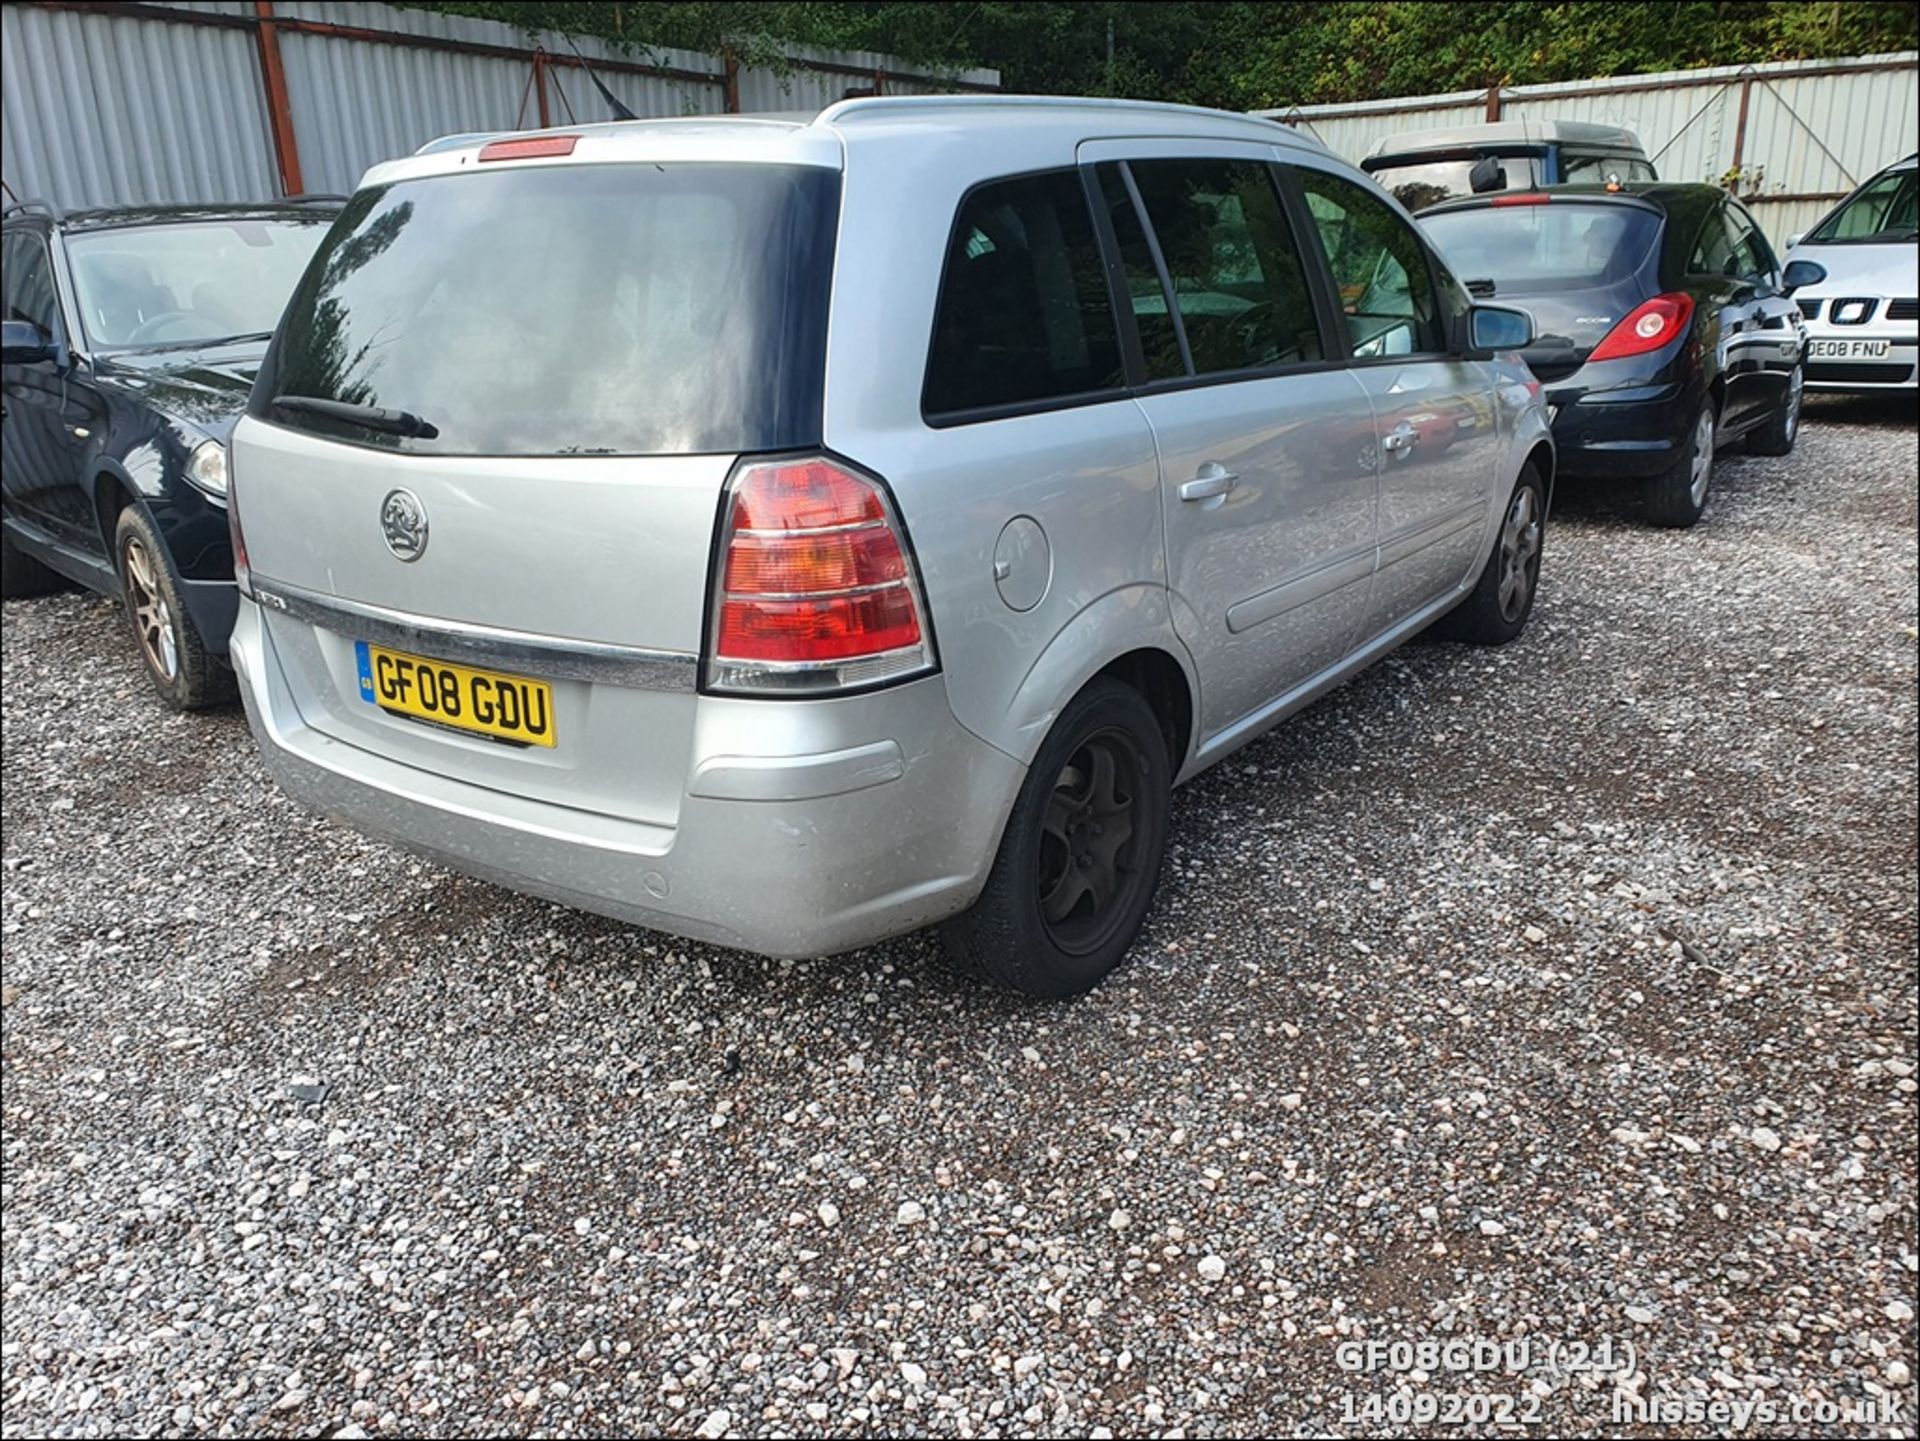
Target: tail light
[[1647, 328], [242, 568], [817, 590], [1525, 197]]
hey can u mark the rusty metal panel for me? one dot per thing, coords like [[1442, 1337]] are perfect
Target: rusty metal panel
[[1813, 128], [109, 110], [133, 108], [1355, 135], [357, 102]]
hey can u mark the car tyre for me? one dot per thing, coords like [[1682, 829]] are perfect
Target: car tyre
[[1782, 429], [1676, 498], [187, 675], [1081, 853], [21, 575], [1496, 609]]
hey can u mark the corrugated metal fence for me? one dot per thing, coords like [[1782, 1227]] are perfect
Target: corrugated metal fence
[[127, 103], [1800, 134]]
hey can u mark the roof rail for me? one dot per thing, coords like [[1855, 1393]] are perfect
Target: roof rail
[[315, 197], [867, 104], [32, 206]]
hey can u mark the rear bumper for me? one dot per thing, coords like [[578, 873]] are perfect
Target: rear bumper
[[783, 854], [1631, 431]]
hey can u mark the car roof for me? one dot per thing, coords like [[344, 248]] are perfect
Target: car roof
[[122, 216], [826, 138], [1507, 132]]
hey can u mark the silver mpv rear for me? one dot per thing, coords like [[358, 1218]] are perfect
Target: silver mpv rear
[[790, 535]]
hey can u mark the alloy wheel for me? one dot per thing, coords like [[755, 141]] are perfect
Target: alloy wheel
[[152, 616], [1796, 392], [1701, 472], [1519, 554], [1088, 874]]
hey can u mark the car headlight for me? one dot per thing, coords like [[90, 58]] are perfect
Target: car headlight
[[207, 468]]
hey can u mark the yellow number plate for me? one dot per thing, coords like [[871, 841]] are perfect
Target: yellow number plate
[[507, 707]]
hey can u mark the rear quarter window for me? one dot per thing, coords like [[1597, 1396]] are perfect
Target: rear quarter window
[[1024, 317]]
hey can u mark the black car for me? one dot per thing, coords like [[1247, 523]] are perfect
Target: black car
[[131, 341], [1663, 326]]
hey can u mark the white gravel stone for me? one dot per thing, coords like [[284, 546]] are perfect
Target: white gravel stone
[[1694, 775]]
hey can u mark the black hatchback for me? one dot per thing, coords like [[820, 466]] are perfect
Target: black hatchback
[[1664, 331], [131, 340]]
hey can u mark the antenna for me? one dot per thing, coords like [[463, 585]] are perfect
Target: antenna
[[620, 111]]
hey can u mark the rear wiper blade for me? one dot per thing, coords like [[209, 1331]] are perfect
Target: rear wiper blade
[[372, 417]]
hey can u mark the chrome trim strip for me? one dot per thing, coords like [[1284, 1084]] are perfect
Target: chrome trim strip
[[595, 662], [801, 531], [900, 584]]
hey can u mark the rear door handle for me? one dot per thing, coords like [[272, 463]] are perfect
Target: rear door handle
[[1211, 483]]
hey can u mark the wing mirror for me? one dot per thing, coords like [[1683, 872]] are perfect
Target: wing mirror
[[1493, 328], [1487, 174], [24, 343], [1799, 273]]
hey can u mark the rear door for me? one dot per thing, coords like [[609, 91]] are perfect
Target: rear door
[[1578, 265], [1267, 466], [1434, 412], [583, 351]]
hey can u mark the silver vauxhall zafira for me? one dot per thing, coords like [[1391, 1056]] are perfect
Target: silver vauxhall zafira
[[791, 534]]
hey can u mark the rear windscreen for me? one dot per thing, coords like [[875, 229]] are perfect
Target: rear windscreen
[[569, 310], [1417, 184], [1533, 249]]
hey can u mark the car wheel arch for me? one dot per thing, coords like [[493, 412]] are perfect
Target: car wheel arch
[[1541, 459], [1127, 633], [113, 492]]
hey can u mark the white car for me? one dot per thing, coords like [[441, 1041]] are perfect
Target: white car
[[1863, 317]]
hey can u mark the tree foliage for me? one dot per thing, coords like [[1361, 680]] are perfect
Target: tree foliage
[[1245, 56]]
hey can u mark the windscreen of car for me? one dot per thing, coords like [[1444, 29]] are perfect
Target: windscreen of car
[[188, 283], [1537, 249], [1418, 184], [1884, 211], [569, 310]]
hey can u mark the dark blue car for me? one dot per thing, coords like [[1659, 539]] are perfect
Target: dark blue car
[[131, 341], [1664, 327]]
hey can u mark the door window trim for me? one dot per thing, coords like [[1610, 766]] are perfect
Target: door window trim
[[1332, 356], [1335, 343]]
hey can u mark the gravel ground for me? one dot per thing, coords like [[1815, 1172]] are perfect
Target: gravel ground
[[1560, 994]]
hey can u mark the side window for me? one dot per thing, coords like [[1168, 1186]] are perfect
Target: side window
[[1236, 270], [1713, 251], [1024, 314], [28, 283], [1752, 257], [1379, 267]]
